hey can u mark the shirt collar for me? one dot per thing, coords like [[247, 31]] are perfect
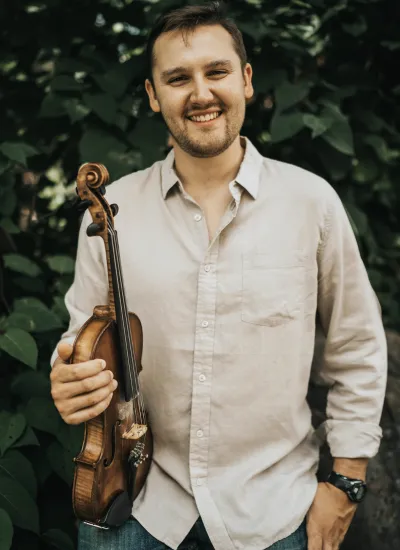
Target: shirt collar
[[248, 176]]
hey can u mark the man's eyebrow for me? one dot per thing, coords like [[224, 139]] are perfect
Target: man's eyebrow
[[213, 64]]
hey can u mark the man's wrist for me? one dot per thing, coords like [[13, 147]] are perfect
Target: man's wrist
[[354, 468]]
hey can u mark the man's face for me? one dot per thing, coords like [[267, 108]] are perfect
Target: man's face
[[200, 78]]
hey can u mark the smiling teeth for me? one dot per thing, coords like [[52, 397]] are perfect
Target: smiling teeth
[[204, 118]]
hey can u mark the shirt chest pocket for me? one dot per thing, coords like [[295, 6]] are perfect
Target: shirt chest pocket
[[273, 288]]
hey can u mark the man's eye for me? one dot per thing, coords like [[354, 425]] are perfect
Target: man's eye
[[176, 79], [217, 73]]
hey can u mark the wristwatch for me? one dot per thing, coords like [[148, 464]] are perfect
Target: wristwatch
[[355, 489]]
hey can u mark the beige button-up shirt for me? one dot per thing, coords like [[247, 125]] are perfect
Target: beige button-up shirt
[[228, 341]]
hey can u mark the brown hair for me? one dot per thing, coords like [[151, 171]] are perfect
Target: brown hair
[[186, 19]]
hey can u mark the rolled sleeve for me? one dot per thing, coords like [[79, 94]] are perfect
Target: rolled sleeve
[[90, 285], [355, 355]]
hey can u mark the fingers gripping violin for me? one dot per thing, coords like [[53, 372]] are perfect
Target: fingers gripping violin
[[114, 461]]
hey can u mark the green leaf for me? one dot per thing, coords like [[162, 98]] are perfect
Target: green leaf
[[18, 152], [60, 461], [96, 145], [8, 202], [60, 308], [76, 109], [12, 427], [150, 136], [340, 136], [284, 126], [103, 105], [40, 317], [30, 384], [58, 539], [70, 66], [52, 106], [390, 44], [27, 439], [64, 83], [365, 170], [10, 226], [6, 531], [21, 345], [317, 124], [61, 264], [379, 145], [21, 264], [287, 94], [358, 219], [42, 414], [18, 467], [18, 503], [21, 320], [4, 164], [357, 28], [116, 81]]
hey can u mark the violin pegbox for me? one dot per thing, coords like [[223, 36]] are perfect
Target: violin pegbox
[[91, 188]]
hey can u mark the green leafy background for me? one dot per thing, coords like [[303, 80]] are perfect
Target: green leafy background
[[71, 81]]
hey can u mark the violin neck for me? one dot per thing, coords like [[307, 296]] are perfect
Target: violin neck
[[117, 303]]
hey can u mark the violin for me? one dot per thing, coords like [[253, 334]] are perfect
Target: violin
[[112, 466]]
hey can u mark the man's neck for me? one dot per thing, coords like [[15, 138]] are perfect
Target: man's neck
[[203, 176]]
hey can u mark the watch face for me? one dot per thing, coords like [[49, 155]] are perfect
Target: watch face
[[357, 493]]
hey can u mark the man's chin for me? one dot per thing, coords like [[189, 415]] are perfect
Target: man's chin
[[202, 149]]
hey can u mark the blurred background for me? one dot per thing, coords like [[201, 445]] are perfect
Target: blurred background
[[327, 96]]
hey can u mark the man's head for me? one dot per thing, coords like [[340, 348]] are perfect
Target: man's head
[[198, 68]]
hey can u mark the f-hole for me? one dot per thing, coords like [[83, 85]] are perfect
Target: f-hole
[[107, 461]]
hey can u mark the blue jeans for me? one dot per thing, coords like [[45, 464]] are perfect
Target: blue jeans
[[132, 536]]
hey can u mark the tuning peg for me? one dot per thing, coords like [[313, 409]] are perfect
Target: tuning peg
[[102, 189], [93, 229], [83, 205], [114, 209]]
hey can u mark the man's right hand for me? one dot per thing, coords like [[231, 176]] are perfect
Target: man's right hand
[[80, 391]]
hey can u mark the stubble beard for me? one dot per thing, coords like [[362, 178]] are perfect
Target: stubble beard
[[210, 147]]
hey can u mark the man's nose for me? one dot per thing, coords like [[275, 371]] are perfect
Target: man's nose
[[201, 92]]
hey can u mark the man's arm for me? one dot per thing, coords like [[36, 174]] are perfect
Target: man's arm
[[355, 367], [90, 285], [355, 355]]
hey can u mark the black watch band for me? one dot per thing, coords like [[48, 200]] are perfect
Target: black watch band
[[355, 489]]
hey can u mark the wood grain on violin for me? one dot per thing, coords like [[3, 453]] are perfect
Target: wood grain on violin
[[115, 458]]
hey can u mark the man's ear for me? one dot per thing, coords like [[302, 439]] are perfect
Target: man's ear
[[155, 106], [248, 84]]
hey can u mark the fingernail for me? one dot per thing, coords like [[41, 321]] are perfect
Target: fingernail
[[103, 364]]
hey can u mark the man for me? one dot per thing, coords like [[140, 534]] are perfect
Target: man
[[227, 257]]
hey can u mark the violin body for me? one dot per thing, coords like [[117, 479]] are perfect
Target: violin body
[[100, 475], [117, 448]]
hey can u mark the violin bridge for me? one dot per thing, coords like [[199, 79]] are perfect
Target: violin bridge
[[135, 432]]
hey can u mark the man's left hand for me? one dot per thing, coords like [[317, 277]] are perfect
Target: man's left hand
[[329, 518]]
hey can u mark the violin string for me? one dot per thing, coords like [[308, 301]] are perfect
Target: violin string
[[129, 343], [126, 324]]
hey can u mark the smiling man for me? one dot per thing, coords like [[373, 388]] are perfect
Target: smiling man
[[227, 258]]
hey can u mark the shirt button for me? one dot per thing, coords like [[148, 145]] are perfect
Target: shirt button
[[199, 433], [204, 324], [197, 217], [202, 377], [199, 482], [207, 268]]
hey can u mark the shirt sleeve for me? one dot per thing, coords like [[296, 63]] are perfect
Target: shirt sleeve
[[90, 285], [355, 355]]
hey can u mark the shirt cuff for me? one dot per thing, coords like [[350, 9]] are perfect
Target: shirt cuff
[[352, 439]]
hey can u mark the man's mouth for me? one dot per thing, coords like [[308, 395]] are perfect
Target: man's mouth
[[205, 118]]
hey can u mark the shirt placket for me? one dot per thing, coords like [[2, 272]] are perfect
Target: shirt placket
[[202, 387]]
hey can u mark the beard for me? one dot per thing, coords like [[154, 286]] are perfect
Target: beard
[[209, 143]]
